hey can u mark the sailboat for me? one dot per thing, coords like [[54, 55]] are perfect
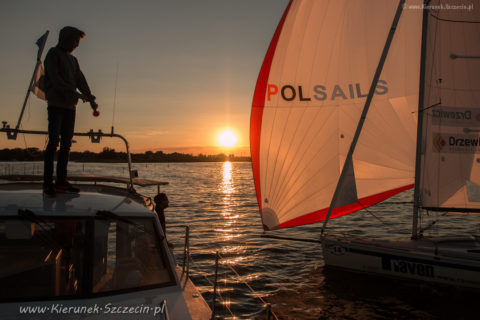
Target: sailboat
[[358, 101]]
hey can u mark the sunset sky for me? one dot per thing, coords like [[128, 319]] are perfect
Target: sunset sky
[[186, 69]]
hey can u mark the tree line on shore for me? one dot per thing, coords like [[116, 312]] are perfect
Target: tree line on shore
[[110, 155]]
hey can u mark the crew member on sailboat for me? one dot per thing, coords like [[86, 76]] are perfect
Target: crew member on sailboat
[[62, 79]]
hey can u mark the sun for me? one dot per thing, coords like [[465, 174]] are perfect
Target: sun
[[227, 138]]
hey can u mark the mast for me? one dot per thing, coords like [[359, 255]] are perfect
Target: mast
[[348, 165], [421, 101]]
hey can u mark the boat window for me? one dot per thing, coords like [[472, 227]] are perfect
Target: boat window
[[128, 255], [41, 259]]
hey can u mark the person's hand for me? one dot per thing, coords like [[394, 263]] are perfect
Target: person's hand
[[83, 97], [87, 98], [93, 104]]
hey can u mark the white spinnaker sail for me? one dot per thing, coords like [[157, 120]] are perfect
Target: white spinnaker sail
[[308, 99], [450, 165]]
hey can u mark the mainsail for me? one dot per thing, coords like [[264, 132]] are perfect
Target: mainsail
[[308, 100], [450, 166]]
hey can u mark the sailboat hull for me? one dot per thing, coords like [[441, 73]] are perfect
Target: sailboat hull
[[444, 261]]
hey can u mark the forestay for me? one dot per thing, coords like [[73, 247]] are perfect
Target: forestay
[[308, 99]]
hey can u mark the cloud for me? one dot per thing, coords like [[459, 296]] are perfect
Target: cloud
[[148, 133], [157, 133]]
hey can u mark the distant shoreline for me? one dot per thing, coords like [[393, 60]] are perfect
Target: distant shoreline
[[111, 156]]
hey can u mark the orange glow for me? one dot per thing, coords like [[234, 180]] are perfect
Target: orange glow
[[227, 138]]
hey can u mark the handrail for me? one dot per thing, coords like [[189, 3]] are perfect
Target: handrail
[[214, 298], [95, 137], [186, 251], [166, 315]]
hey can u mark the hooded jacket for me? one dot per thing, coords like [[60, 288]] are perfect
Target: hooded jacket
[[62, 72]]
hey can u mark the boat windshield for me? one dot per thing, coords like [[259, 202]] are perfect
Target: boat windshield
[[127, 255], [79, 257]]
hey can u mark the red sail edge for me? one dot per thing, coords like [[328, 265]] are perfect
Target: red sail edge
[[259, 103], [362, 203]]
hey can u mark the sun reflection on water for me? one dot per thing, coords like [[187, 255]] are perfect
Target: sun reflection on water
[[227, 181], [228, 230]]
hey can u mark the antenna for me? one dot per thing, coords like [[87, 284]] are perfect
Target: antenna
[[115, 96]]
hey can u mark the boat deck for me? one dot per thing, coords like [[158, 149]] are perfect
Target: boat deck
[[89, 201], [197, 306]]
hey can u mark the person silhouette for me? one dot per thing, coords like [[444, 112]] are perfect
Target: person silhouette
[[62, 79]]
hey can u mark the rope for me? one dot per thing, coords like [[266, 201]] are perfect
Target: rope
[[249, 287], [24, 139], [223, 300], [379, 219], [451, 20], [432, 223]]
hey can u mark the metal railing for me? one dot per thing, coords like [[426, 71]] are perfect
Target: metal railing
[[95, 137], [164, 308], [186, 251]]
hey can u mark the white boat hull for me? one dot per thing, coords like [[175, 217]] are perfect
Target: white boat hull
[[183, 303], [111, 297], [446, 261]]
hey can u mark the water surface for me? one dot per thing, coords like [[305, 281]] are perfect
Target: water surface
[[217, 201]]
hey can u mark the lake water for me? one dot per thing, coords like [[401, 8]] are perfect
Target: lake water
[[217, 201]]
